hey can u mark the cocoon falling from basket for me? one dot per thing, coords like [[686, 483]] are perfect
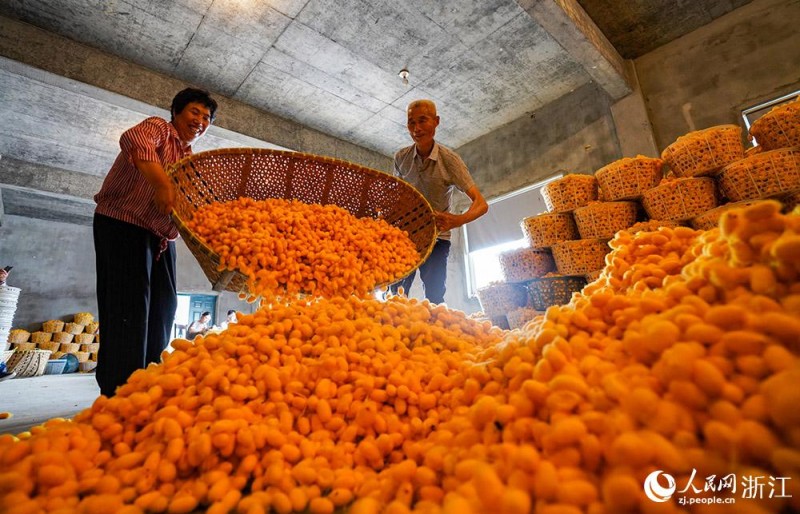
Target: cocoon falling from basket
[[581, 256], [570, 192], [525, 263], [543, 230], [680, 199], [628, 178], [704, 152], [762, 175], [500, 297], [288, 247], [601, 220], [779, 128]]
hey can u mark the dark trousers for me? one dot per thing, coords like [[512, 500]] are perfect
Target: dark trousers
[[433, 273], [136, 297]]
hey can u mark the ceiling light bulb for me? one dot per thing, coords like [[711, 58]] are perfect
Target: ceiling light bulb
[[404, 75]]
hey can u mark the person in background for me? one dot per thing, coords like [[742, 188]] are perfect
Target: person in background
[[134, 238], [199, 326], [4, 275], [435, 171], [230, 318]]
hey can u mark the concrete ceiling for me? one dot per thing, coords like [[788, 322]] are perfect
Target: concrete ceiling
[[333, 64], [329, 65], [636, 27]]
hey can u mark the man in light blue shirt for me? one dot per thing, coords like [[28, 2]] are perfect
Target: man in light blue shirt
[[436, 172]]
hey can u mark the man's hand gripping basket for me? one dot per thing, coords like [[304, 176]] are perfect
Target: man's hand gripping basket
[[227, 174]]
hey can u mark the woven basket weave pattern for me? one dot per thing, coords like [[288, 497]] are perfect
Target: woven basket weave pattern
[[544, 230], [627, 179], [28, 363], [681, 199], [779, 128], [227, 174], [762, 175], [604, 219], [704, 152], [548, 291]]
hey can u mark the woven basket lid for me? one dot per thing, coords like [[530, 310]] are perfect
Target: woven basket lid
[[227, 174]]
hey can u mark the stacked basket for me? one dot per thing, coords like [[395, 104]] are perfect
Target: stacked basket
[[77, 337], [773, 172], [8, 307], [713, 169], [582, 251]]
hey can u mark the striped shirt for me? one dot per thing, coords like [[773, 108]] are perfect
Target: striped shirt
[[126, 195], [435, 177]]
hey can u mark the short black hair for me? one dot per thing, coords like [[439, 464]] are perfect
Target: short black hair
[[231, 312], [206, 313], [189, 95]]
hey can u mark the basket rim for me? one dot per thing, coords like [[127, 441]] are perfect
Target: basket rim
[[754, 157], [678, 181], [597, 205], [544, 214], [227, 275], [574, 242], [626, 160]]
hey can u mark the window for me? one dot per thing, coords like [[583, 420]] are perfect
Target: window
[[751, 114], [499, 231]]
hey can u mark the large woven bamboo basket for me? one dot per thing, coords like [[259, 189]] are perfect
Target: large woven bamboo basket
[[227, 174], [779, 128], [704, 152], [28, 363]]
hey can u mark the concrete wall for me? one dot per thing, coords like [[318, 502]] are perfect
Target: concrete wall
[[709, 76], [574, 134], [54, 266]]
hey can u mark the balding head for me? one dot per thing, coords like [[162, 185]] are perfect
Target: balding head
[[426, 105]]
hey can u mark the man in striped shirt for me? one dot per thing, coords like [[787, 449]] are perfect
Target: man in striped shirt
[[134, 239]]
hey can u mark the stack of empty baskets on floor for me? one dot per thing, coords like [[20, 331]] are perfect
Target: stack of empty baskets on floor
[[79, 337]]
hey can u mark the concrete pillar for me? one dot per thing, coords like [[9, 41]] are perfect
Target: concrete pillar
[[632, 123]]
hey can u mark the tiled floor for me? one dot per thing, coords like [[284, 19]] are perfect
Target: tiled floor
[[32, 401]]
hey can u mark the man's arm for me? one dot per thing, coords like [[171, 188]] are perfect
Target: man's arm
[[446, 221]]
